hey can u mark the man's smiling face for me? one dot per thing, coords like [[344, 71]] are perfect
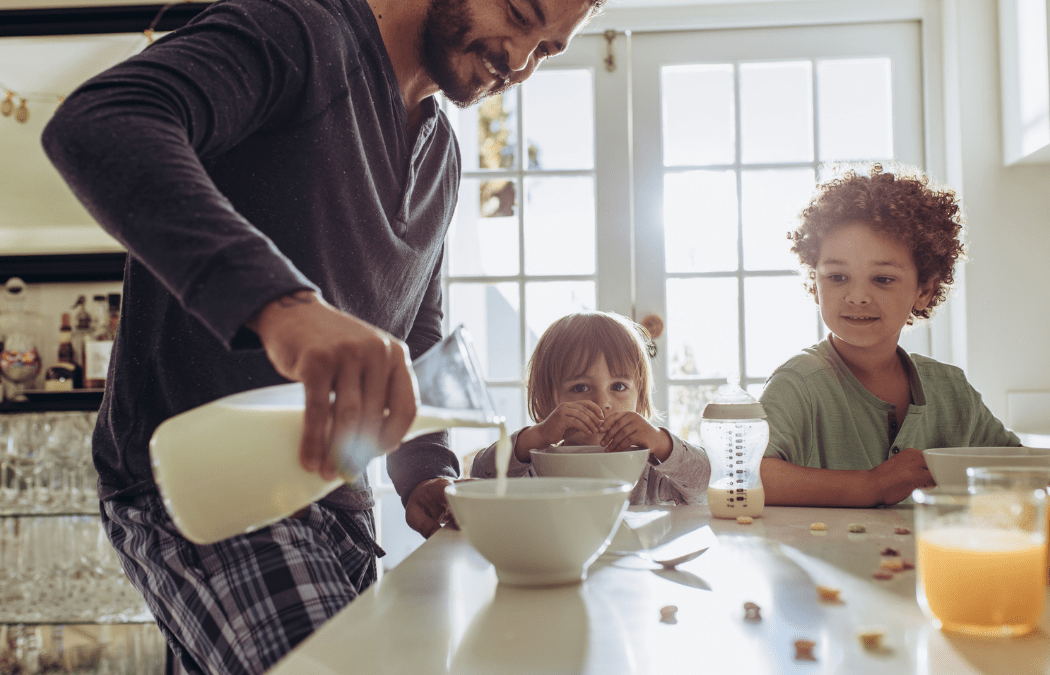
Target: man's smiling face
[[473, 49]]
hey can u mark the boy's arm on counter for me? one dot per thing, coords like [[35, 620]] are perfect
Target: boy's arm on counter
[[788, 484]]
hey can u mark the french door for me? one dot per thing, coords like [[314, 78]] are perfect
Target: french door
[[731, 131]]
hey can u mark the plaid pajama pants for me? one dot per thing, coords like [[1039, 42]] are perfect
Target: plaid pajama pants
[[237, 606]]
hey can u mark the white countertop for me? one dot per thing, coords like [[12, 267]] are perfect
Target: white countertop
[[442, 611]]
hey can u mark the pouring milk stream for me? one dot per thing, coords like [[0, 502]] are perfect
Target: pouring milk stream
[[232, 465]]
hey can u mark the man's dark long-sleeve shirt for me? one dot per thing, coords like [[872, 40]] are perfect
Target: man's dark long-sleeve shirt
[[258, 151]]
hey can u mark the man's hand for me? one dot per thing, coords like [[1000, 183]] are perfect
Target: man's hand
[[309, 341], [895, 478], [427, 508]]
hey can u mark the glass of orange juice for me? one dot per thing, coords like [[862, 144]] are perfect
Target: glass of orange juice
[[981, 558], [984, 478]]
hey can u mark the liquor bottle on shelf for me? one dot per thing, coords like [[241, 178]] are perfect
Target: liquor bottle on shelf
[[81, 330], [98, 347], [65, 375]]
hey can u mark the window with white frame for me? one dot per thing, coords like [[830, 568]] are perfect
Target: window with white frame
[[664, 183]]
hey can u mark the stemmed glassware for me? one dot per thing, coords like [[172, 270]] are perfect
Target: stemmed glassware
[[59, 566]]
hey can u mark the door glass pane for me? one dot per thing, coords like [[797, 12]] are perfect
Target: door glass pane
[[702, 334], [781, 319], [687, 408], [700, 221], [487, 133], [771, 202], [559, 225], [491, 314], [548, 301], [776, 112], [559, 119], [856, 113], [699, 125], [483, 237]]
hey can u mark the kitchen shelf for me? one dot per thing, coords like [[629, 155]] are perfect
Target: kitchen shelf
[[84, 400]]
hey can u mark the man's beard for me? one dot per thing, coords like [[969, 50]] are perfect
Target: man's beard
[[444, 38]]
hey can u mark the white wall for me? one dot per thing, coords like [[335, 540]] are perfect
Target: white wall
[[1007, 288]]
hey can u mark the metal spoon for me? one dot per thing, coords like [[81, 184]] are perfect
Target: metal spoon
[[672, 563]]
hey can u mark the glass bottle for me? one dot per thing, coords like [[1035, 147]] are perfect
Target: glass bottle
[[99, 347], [20, 360], [65, 374], [81, 330], [734, 433]]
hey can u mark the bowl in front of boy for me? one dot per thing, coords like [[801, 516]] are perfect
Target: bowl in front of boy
[[948, 465]]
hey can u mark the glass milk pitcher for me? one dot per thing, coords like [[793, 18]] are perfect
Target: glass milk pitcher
[[734, 433], [232, 465]]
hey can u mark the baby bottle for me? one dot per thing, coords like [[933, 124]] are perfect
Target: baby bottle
[[734, 433]]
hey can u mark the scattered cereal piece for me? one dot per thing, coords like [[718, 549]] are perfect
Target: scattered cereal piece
[[901, 530], [818, 527], [745, 520], [804, 650], [907, 565], [667, 614], [890, 551], [871, 639], [828, 594], [893, 564], [882, 574], [751, 612], [856, 528]]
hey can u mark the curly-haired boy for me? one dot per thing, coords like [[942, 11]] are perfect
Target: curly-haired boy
[[850, 416]]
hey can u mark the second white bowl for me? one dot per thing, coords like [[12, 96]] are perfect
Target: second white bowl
[[590, 461]]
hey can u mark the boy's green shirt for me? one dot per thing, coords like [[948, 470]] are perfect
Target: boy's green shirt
[[821, 416]]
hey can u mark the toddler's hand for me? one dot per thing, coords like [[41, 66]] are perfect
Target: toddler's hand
[[573, 418], [900, 474], [626, 429]]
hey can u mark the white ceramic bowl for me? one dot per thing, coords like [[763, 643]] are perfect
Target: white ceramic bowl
[[590, 461], [543, 531], [948, 465]]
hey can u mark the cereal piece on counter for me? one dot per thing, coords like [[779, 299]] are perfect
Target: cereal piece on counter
[[890, 551], [828, 594], [871, 639], [901, 530], [892, 564], [818, 527], [667, 614], [745, 520], [751, 612], [882, 574], [907, 565], [804, 650], [856, 528]]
